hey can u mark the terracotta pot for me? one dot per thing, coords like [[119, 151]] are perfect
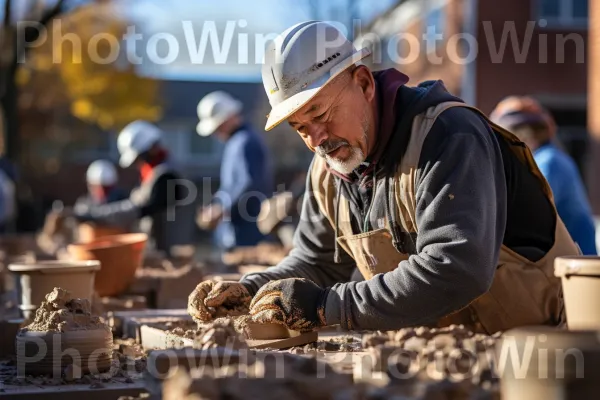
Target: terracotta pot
[[549, 363], [120, 256], [38, 278], [88, 232], [580, 278], [89, 351]]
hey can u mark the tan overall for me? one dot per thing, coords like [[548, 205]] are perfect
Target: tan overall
[[522, 293]]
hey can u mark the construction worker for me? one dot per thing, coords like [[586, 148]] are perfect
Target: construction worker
[[158, 204], [246, 174], [102, 179], [280, 214], [444, 213], [534, 125]]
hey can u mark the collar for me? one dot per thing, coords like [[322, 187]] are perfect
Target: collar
[[387, 84]]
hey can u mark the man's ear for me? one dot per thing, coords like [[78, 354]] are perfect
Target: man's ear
[[363, 77]]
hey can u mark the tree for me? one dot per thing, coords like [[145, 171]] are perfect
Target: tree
[[10, 52], [99, 83], [108, 94]]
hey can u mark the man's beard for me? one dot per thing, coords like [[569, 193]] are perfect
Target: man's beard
[[357, 156]]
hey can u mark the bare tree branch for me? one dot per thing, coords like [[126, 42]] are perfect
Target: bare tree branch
[[7, 13], [31, 33], [53, 12], [36, 10]]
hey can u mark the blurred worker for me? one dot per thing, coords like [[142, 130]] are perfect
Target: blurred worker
[[280, 214], [246, 174], [443, 212], [159, 202], [102, 179], [531, 123]]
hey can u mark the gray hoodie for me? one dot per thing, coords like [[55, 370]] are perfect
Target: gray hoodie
[[455, 253]]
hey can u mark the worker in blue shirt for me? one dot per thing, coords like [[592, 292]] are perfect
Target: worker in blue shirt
[[534, 125], [246, 173]]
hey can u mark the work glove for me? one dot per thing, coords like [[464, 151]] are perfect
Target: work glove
[[297, 303], [204, 301], [210, 216]]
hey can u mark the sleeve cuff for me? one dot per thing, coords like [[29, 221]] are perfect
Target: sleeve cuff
[[224, 199], [250, 285], [333, 308]]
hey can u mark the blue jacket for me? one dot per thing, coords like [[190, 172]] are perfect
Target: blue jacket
[[246, 180], [569, 195]]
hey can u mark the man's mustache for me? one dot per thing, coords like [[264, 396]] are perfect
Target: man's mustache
[[330, 146]]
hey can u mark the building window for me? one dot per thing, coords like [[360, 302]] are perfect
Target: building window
[[92, 145], [200, 145], [563, 12]]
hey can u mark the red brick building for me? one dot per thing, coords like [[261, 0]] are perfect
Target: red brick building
[[594, 104], [485, 50]]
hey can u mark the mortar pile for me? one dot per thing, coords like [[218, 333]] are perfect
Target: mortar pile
[[281, 376], [436, 355], [223, 332], [60, 312]]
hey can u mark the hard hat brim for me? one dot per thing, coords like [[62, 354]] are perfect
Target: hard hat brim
[[208, 126], [286, 108], [127, 159]]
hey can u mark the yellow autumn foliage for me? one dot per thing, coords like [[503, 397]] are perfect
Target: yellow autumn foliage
[[98, 83]]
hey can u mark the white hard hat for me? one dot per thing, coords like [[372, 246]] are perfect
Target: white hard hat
[[135, 139], [214, 109], [101, 172], [300, 62]]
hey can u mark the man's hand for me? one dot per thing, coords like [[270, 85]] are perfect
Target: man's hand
[[210, 295], [296, 303], [210, 216]]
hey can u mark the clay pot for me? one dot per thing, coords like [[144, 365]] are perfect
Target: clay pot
[[38, 278], [580, 278], [120, 256], [88, 232], [49, 353], [549, 363]]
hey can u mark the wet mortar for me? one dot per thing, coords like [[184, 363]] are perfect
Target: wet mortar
[[60, 312]]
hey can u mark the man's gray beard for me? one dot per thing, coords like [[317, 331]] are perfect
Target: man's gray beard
[[356, 158], [347, 166]]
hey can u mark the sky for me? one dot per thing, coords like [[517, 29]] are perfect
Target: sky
[[176, 28], [242, 19]]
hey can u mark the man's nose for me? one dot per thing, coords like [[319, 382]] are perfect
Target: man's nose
[[317, 135]]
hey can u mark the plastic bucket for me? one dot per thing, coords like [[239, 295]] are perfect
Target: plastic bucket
[[49, 353], [580, 278], [548, 363], [38, 278]]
